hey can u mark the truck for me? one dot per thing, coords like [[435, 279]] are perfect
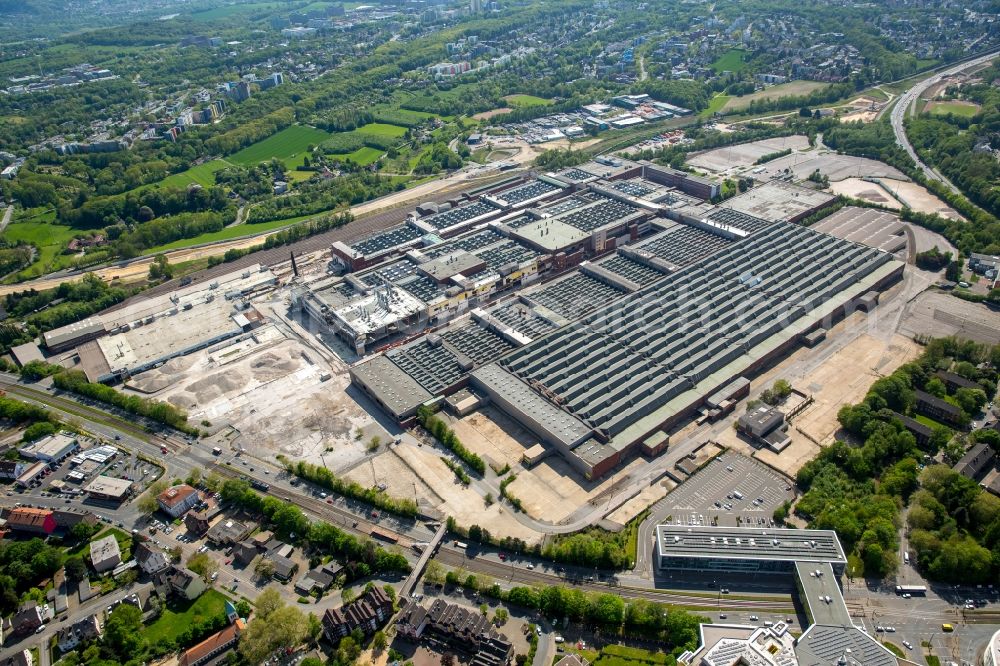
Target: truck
[[217, 451]]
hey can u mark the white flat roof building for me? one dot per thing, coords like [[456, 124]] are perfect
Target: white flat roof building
[[52, 447]]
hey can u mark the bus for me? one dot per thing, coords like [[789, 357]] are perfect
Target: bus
[[911, 589], [947, 627]]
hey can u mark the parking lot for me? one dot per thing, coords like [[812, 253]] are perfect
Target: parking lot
[[731, 490]]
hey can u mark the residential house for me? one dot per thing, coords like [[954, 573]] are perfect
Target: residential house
[[19, 658], [368, 612], [213, 646], [465, 630], [196, 522], [939, 409], [318, 579], [87, 629], [28, 618], [244, 552], [174, 501], [105, 554], [67, 519], [921, 433], [32, 520], [954, 381], [284, 567], [228, 531], [151, 560], [184, 583], [976, 461], [11, 469]]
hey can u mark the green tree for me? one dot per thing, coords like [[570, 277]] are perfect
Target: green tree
[[123, 632]]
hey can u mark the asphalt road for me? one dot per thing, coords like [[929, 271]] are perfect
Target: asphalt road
[[905, 103]]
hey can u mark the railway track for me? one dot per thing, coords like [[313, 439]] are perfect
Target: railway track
[[75, 408]]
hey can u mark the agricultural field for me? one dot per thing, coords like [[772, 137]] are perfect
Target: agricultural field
[[953, 107], [382, 130], [731, 61], [289, 145], [203, 174], [790, 89], [393, 115], [526, 100]]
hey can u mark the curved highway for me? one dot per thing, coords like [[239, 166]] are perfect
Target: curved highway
[[909, 98]]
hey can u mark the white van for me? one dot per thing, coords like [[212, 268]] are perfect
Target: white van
[[906, 556]]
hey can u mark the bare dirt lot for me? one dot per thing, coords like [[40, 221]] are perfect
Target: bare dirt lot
[[867, 190], [919, 199], [486, 115], [409, 470], [249, 390], [841, 378], [745, 154]]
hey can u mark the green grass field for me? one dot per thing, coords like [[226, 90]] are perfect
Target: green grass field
[[49, 238], [363, 156], [714, 105], [957, 108], [382, 129], [288, 145], [229, 10], [526, 100], [790, 89], [203, 174], [731, 61], [176, 617]]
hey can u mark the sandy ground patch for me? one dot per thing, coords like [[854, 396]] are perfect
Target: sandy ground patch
[[486, 115], [792, 88], [845, 378], [859, 117], [494, 436], [421, 466], [552, 490], [863, 189], [919, 199], [269, 398], [640, 502], [745, 154]]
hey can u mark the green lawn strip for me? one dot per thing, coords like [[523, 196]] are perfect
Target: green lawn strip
[[230, 233], [179, 615], [928, 421], [50, 239], [955, 108], [715, 105], [124, 543]]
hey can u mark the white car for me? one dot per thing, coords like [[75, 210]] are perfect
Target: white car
[[908, 645], [215, 574]]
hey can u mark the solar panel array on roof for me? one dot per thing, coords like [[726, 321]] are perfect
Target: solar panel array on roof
[[477, 343], [641, 351], [632, 270], [393, 273], [563, 205], [633, 188], [606, 212], [734, 218], [504, 253], [386, 240], [433, 366], [458, 215], [575, 296], [535, 188], [684, 245], [575, 175], [468, 243], [519, 221], [422, 287], [522, 319]]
